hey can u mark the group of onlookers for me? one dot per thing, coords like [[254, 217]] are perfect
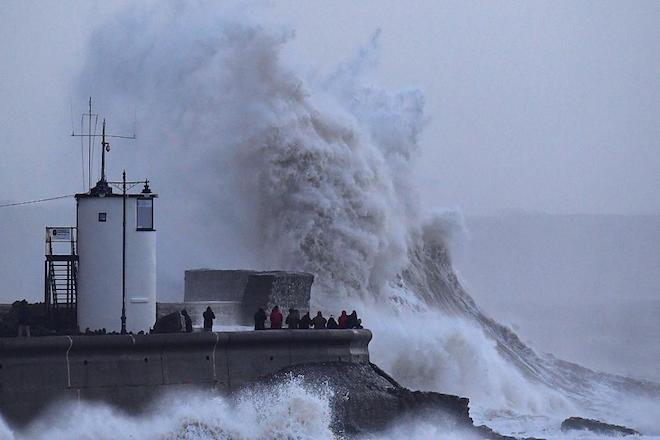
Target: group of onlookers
[[295, 321], [182, 322]]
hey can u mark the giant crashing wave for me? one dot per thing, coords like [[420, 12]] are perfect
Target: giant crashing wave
[[432, 275], [313, 174]]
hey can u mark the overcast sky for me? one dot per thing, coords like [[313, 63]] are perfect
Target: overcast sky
[[540, 106]]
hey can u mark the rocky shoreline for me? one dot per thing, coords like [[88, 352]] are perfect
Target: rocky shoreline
[[367, 400]]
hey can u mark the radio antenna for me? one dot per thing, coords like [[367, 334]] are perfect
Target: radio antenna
[[105, 145]]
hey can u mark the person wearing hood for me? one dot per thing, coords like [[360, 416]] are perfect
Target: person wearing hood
[[276, 318], [332, 324], [292, 319], [353, 321], [305, 322], [343, 320], [209, 316]]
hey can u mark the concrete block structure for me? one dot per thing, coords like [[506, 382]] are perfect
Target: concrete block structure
[[252, 289]]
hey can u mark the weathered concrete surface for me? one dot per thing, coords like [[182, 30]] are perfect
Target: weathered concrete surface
[[129, 370], [252, 288], [218, 285], [226, 312], [283, 289]]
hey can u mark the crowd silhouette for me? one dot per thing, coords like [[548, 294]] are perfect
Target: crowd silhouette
[[295, 321]]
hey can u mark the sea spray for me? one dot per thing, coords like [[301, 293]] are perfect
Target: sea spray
[[288, 410], [261, 167], [286, 173], [448, 354]]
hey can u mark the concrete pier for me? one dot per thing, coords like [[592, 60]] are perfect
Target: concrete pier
[[129, 370]]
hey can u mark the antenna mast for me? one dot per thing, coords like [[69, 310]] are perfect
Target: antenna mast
[[105, 145], [89, 147], [89, 115]]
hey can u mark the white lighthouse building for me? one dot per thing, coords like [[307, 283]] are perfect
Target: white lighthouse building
[[101, 274], [115, 275], [116, 259]]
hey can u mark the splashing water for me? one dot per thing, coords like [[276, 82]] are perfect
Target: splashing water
[[283, 172], [289, 410]]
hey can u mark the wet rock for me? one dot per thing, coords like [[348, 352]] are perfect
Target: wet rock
[[596, 426], [367, 400]]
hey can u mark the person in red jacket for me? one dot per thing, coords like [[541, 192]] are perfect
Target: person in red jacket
[[343, 320], [276, 318]]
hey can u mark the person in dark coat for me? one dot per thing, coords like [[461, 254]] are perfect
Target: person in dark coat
[[319, 321], [292, 319], [305, 322], [276, 318], [209, 316], [332, 324], [343, 320], [188, 321], [260, 320], [353, 321]]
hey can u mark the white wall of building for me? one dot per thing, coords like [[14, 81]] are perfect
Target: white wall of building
[[100, 267]]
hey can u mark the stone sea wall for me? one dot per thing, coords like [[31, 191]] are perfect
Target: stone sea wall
[[129, 370]]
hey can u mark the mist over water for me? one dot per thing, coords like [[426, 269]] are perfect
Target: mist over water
[[261, 165]]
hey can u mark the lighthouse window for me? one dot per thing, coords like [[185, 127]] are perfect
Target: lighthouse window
[[103, 216], [145, 214]]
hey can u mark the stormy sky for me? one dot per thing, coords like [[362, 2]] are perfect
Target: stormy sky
[[535, 106]]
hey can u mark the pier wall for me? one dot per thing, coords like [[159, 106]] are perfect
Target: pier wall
[[129, 370]]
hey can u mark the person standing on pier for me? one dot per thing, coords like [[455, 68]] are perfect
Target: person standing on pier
[[292, 319], [186, 321], [305, 322], [276, 318], [343, 320], [319, 321], [260, 319], [209, 316], [332, 324]]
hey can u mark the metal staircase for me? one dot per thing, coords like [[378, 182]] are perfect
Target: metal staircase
[[61, 278]]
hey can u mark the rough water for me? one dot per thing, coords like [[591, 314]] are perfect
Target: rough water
[[298, 172]]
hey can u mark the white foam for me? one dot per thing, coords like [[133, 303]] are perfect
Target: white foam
[[289, 410]]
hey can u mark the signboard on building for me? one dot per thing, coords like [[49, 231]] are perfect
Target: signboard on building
[[59, 234]]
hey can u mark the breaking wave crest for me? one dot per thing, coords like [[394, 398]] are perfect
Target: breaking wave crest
[[279, 169]]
